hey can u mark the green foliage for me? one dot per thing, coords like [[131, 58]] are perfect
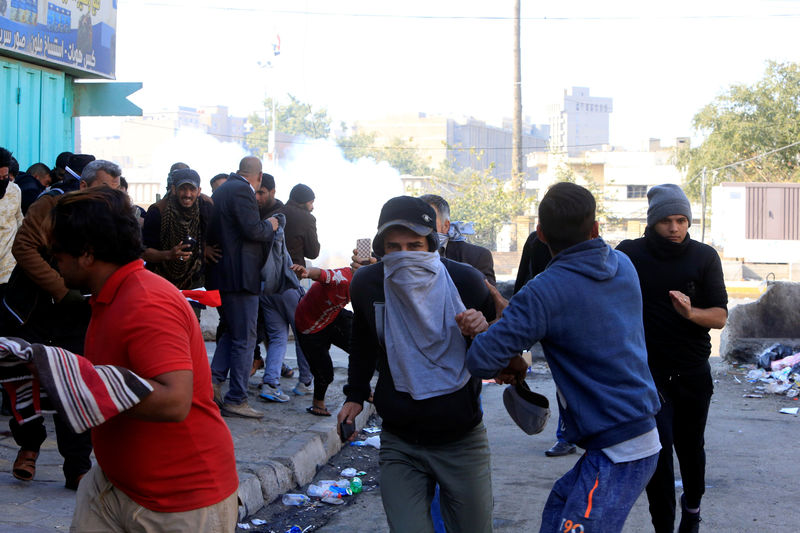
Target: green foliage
[[400, 154], [480, 198], [294, 118], [744, 122]]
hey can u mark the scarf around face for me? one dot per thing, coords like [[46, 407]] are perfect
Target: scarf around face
[[664, 248], [424, 346], [178, 222]]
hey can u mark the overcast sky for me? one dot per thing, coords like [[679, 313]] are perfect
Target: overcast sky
[[659, 61]]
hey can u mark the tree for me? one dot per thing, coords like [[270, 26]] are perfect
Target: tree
[[478, 197], [294, 118], [746, 122], [400, 154]]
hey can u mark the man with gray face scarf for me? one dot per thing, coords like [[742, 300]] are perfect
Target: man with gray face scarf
[[405, 309]]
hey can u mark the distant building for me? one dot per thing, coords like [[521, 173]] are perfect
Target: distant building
[[579, 123], [619, 179], [466, 143], [757, 222]]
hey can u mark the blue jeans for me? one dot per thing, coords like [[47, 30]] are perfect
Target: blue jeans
[[235, 348], [278, 310], [596, 495]]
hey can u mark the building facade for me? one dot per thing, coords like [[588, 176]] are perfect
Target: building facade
[[580, 122]]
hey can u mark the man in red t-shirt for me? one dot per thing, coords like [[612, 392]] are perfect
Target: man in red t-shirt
[[322, 320], [168, 463]]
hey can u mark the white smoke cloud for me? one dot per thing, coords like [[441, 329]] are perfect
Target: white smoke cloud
[[349, 195]]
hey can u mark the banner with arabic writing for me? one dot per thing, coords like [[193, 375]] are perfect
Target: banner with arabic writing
[[77, 34]]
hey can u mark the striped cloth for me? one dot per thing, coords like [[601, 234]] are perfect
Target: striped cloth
[[83, 394]]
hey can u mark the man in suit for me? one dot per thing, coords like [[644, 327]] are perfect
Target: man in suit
[[454, 244], [244, 238]]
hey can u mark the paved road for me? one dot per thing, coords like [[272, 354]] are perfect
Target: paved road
[[751, 474]]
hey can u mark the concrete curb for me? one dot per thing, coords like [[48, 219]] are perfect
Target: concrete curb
[[294, 463]]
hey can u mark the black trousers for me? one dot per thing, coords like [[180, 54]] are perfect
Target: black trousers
[[685, 400], [61, 325], [316, 347]]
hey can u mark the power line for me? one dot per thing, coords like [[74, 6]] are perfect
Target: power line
[[472, 17], [737, 163]]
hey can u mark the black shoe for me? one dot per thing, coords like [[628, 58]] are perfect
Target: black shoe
[[690, 522], [560, 448]]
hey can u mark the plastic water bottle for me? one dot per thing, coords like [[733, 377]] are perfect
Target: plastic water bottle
[[295, 499], [356, 485]]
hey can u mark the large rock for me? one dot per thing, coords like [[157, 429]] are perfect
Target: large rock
[[753, 327]]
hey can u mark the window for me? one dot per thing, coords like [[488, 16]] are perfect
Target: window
[[637, 191]]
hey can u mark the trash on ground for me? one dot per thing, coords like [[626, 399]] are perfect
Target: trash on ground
[[349, 472], [356, 485], [258, 522], [372, 430], [790, 410], [752, 396], [295, 499], [374, 441], [333, 501], [243, 526], [784, 380], [294, 529]]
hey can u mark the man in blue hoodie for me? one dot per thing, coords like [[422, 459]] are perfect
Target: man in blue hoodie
[[586, 310]]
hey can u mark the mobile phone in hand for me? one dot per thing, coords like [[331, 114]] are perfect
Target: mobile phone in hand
[[363, 250], [189, 241], [346, 430]]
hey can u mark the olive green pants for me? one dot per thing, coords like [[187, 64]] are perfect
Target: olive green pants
[[409, 473]]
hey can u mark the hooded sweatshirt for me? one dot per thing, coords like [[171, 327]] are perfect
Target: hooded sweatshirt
[[586, 310]]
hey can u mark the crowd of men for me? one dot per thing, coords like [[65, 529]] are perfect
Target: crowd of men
[[624, 331]]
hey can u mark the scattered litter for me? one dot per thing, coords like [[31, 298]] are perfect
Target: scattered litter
[[753, 396], [243, 526], [356, 485], [790, 410], [295, 499], [258, 522], [374, 441], [784, 380], [789, 361], [294, 529], [774, 353], [372, 430], [349, 472], [755, 374], [737, 379], [333, 501], [778, 387]]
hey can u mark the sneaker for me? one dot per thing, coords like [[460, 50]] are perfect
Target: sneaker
[[272, 393], [242, 409], [217, 388], [286, 371], [560, 448], [690, 522], [301, 389]]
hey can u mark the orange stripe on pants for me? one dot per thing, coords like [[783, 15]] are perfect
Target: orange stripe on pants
[[591, 493]]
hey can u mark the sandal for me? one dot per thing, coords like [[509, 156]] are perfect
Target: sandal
[[25, 465], [317, 411]]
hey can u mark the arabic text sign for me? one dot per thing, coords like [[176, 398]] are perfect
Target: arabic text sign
[[80, 34]]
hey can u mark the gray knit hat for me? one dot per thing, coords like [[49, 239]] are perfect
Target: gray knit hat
[[667, 200]]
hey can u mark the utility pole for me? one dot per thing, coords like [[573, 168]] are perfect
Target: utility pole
[[517, 175], [703, 200]]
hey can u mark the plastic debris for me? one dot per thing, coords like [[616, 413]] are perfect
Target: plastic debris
[[332, 501], [790, 410], [374, 441], [372, 430], [294, 529], [356, 485], [755, 374], [243, 526], [258, 522], [349, 472], [295, 499], [752, 396]]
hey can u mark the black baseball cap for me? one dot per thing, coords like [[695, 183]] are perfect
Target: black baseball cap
[[184, 175], [408, 212]]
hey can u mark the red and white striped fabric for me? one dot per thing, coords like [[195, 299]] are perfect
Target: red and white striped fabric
[[84, 395]]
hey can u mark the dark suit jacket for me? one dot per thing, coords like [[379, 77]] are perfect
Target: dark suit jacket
[[535, 257], [244, 238], [472, 254]]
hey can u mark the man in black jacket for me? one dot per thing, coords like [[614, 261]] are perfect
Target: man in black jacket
[[243, 237], [454, 244], [301, 226], [405, 310], [683, 295]]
